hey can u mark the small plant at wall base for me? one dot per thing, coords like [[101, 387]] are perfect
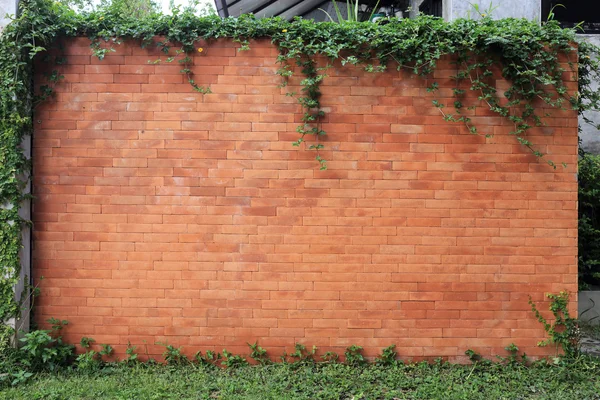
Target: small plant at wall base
[[259, 354], [89, 376], [527, 54]]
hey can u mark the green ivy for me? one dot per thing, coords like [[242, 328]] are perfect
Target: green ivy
[[526, 53], [563, 330]]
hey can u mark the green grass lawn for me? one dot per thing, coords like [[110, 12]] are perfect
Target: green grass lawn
[[576, 380]]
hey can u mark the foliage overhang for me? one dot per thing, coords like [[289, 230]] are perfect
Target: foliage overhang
[[527, 53]]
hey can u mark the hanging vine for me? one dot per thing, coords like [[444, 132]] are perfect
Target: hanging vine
[[530, 56]]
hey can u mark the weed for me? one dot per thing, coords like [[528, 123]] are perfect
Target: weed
[[91, 360], [211, 358], [57, 324], [233, 361], [88, 361], [354, 356], [106, 350], [86, 342], [173, 355], [302, 355], [388, 356], [20, 377], [473, 356], [513, 352], [132, 356], [330, 357], [284, 357], [259, 354]]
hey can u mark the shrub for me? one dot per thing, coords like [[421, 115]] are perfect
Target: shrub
[[43, 350], [40, 350], [589, 220]]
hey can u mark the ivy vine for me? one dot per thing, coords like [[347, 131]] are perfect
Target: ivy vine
[[530, 56], [563, 330]]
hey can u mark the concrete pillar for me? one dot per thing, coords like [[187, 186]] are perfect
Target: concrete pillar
[[414, 8], [530, 9], [9, 8], [22, 323]]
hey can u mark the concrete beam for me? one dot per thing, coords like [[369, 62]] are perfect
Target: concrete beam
[[529, 9]]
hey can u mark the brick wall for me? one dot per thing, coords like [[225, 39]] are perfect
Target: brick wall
[[165, 215]]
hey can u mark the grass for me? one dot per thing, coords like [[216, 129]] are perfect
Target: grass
[[578, 379]]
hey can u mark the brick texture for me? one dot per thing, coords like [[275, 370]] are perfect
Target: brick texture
[[165, 215]]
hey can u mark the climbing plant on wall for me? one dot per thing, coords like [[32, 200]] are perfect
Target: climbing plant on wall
[[533, 58]]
